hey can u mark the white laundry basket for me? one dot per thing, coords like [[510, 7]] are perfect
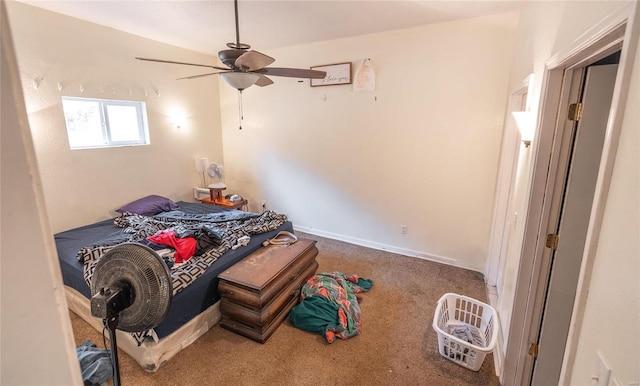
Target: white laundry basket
[[467, 329]]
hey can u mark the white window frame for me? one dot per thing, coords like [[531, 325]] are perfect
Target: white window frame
[[103, 104]]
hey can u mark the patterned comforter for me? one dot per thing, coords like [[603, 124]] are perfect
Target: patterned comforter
[[223, 227]]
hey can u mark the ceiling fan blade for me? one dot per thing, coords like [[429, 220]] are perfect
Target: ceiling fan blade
[[253, 60], [202, 75], [187, 64], [263, 81], [292, 72]]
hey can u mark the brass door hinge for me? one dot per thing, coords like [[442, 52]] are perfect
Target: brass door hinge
[[575, 112], [552, 241], [533, 350]]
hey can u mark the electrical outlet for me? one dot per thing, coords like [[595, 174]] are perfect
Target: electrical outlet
[[403, 229]]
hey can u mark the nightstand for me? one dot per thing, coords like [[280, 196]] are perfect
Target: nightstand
[[226, 203]]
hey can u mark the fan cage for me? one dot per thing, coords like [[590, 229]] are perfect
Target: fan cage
[[149, 279]]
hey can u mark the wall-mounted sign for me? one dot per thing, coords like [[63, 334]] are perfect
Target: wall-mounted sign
[[338, 73]]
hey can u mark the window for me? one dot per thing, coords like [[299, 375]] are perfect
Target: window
[[95, 123]]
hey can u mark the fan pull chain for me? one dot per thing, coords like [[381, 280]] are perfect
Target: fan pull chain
[[240, 115]]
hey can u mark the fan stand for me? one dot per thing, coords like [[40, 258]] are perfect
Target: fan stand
[[112, 301], [111, 324], [216, 195]]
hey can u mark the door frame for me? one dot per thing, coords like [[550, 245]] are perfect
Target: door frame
[[619, 27], [504, 184], [575, 183], [502, 223]]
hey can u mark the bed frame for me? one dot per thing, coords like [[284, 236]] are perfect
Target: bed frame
[[150, 355]]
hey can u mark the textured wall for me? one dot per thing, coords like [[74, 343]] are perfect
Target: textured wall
[[33, 310], [82, 186], [420, 151]]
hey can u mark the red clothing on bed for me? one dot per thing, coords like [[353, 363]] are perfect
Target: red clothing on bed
[[185, 247]]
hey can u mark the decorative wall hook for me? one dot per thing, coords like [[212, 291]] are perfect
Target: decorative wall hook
[[59, 86], [81, 89], [36, 82]]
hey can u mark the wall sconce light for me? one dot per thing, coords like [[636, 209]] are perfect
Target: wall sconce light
[[177, 119], [525, 120]]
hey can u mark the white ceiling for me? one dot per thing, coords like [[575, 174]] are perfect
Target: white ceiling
[[207, 25]]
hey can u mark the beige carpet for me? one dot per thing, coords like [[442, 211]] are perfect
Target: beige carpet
[[397, 346]]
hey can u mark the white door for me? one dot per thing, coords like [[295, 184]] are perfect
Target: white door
[[574, 201]]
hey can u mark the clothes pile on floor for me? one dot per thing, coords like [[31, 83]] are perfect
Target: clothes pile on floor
[[329, 305], [95, 363]]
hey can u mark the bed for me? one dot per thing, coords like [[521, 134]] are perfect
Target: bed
[[194, 308]]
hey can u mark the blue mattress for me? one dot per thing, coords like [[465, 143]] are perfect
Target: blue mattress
[[186, 304]]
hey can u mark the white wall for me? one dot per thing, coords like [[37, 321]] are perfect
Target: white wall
[[35, 350], [546, 28], [82, 186], [420, 151]]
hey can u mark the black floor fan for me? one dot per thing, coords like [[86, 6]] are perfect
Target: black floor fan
[[131, 290]]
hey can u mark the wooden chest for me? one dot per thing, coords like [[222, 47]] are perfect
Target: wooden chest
[[258, 292]]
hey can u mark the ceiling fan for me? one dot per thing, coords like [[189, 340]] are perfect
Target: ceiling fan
[[246, 67]]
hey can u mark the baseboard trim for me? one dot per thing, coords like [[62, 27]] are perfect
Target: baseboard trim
[[383, 247]]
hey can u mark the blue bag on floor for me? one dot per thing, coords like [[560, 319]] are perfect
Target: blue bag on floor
[[95, 363]]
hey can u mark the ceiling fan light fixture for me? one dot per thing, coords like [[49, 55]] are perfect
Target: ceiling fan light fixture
[[244, 67], [240, 80]]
